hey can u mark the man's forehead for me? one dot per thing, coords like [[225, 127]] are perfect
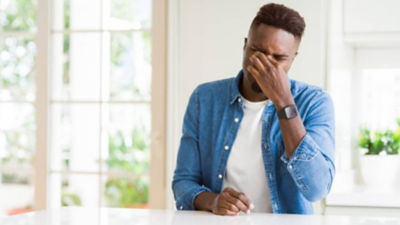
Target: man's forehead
[[272, 39]]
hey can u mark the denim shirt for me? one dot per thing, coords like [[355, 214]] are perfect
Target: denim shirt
[[210, 125]]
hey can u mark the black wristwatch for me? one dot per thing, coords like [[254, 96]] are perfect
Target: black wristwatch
[[288, 112]]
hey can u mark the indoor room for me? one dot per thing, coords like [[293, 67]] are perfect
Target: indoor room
[[115, 111]]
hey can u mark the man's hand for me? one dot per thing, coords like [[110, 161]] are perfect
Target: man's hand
[[228, 202], [271, 78]]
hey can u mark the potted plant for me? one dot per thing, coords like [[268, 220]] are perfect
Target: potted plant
[[380, 160]]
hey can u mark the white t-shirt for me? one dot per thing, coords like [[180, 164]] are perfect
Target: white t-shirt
[[245, 168]]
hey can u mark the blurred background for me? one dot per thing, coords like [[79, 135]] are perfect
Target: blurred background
[[93, 92]]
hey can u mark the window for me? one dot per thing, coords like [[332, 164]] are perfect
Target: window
[[17, 96], [99, 104], [366, 96], [100, 100], [379, 74]]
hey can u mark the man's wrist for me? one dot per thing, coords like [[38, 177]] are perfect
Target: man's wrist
[[205, 201], [283, 102]]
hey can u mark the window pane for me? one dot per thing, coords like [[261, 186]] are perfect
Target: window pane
[[126, 137], [126, 192], [17, 63], [75, 137], [76, 66], [18, 15], [74, 14], [127, 14], [16, 193], [74, 190], [130, 68], [17, 135], [381, 98]]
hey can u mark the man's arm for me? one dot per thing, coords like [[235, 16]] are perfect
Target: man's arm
[[273, 82], [187, 180], [309, 146], [293, 130], [187, 185], [311, 164]]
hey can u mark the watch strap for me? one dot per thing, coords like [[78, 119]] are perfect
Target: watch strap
[[288, 112]]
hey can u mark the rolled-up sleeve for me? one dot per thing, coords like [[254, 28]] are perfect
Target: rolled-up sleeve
[[187, 180], [312, 164]]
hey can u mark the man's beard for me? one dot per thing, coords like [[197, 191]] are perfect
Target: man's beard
[[256, 88]]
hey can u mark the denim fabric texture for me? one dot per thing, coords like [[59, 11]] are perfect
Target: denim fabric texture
[[210, 125]]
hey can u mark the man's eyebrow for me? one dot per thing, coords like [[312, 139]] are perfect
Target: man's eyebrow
[[280, 55], [265, 52], [259, 49]]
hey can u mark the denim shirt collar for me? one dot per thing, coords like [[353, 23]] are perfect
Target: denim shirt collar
[[235, 93]]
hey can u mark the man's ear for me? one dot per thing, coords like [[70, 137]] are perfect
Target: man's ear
[[245, 43]]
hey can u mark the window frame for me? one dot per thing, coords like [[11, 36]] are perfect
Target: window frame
[[43, 102]]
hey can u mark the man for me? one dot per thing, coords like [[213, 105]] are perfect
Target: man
[[258, 142]]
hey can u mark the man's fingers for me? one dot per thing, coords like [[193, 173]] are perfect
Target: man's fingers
[[266, 61], [257, 64], [245, 200], [272, 60], [241, 196], [253, 71], [241, 206], [228, 212], [230, 206]]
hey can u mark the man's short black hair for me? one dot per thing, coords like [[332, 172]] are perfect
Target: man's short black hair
[[282, 17]]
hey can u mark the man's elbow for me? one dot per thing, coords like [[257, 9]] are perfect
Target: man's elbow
[[317, 192], [316, 195]]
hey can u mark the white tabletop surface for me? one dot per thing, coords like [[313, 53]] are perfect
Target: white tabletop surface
[[107, 216]]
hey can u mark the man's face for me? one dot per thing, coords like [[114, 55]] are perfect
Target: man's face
[[269, 40]]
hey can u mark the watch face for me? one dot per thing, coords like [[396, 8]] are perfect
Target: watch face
[[291, 112]]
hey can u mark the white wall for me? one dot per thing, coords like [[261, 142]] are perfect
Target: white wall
[[206, 42], [371, 16], [362, 34]]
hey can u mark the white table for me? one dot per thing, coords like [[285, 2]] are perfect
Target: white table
[[107, 216]]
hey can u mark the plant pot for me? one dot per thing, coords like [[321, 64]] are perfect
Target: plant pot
[[379, 170]]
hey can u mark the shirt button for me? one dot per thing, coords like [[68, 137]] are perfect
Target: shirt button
[[239, 99], [290, 167], [270, 176], [219, 176], [226, 147], [236, 120], [181, 207]]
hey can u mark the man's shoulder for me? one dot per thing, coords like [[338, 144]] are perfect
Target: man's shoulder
[[218, 88], [310, 96], [303, 89], [216, 84]]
